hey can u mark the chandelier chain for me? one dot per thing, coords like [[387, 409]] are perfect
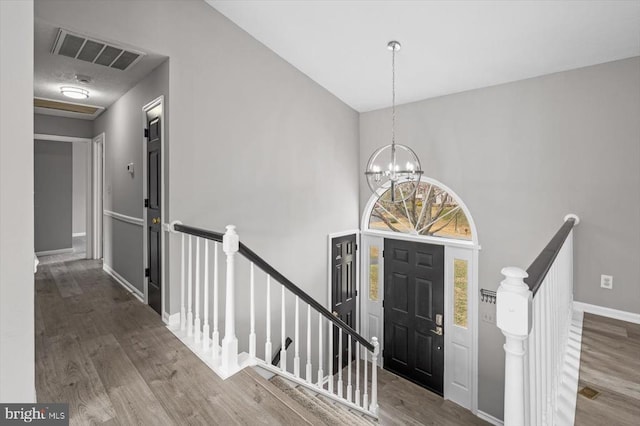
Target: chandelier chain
[[393, 96]]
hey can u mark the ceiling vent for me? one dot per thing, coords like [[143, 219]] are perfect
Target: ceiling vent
[[98, 52]]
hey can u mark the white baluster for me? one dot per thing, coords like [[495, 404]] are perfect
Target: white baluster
[[308, 366], [296, 356], [205, 327], [190, 292], [197, 318], [230, 243], [267, 344], [252, 309], [349, 387], [365, 397], [357, 395], [340, 391], [283, 349], [374, 376], [183, 313], [320, 372], [331, 356], [513, 310], [215, 337]]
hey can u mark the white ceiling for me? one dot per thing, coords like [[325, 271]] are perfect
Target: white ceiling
[[53, 71], [448, 46]]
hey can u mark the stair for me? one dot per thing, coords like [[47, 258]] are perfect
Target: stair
[[327, 412]]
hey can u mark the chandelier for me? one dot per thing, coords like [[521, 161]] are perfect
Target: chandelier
[[395, 166]]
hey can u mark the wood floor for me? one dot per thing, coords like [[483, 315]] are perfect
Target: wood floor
[[112, 359], [610, 364]]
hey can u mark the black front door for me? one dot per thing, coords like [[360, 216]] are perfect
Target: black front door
[[154, 225], [413, 312], [343, 292]]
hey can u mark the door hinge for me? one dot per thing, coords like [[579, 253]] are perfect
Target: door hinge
[[356, 293], [356, 247], [382, 253], [146, 202], [146, 272], [146, 133], [383, 303]]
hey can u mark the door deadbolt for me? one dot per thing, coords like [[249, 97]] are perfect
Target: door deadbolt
[[439, 319]]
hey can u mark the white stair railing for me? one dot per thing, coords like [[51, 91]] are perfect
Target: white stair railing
[[534, 310], [224, 357]]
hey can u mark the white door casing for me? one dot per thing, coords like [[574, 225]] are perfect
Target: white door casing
[[461, 344]]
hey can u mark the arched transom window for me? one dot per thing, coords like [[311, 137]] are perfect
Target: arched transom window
[[429, 211]]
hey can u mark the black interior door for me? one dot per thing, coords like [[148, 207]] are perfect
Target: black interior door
[[343, 292], [413, 312], [154, 225]]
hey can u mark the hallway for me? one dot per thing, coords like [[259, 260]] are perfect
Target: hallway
[[114, 361]]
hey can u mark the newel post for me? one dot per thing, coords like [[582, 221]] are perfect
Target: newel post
[[374, 375], [230, 245], [513, 317]]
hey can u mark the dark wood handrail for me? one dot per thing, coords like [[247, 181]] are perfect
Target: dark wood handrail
[[271, 271], [541, 265]]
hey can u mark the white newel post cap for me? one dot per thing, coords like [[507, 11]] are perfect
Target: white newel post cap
[[230, 240], [514, 303]]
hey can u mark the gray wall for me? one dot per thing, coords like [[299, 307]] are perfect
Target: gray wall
[[62, 126], [521, 156], [122, 125], [52, 195], [254, 142], [80, 166], [17, 365]]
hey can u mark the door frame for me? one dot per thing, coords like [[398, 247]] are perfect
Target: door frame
[[451, 247], [159, 101], [96, 173], [91, 191]]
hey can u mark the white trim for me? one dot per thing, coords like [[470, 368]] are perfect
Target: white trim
[[123, 282], [58, 138], [489, 418], [159, 101], [172, 321], [79, 234], [57, 251], [607, 312], [124, 218], [95, 213], [473, 245], [374, 198]]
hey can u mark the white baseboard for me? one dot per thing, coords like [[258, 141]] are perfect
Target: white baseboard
[[607, 312], [57, 251], [124, 283], [489, 418], [79, 234], [171, 320]]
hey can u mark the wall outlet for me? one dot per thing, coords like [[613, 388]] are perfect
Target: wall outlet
[[606, 281], [489, 317]]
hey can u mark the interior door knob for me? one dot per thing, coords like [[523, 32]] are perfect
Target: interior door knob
[[155, 220]]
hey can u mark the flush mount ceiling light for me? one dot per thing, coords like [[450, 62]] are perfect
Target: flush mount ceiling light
[[395, 165], [74, 92]]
